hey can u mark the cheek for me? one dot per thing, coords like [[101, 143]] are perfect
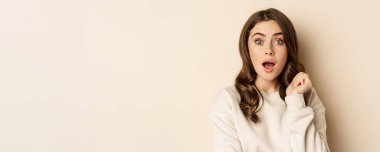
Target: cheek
[[283, 55], [255, 52]]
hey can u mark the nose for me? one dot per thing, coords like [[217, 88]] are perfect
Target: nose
[[269, 53], [269, 50]]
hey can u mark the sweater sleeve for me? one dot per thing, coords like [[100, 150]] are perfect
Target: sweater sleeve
[[224, 132], [307, 123]]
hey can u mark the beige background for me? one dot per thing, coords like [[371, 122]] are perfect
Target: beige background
[[139, 76]]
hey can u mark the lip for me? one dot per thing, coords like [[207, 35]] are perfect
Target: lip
[[270, 69]]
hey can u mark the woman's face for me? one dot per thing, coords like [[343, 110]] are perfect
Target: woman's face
[[267, 50]]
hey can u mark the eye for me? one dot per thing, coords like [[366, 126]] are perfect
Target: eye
[[259, 42], [279, 42]]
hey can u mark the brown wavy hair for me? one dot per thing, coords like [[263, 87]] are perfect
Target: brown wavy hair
[[245, 81]]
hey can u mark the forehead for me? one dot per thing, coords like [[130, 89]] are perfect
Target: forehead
[[267, 27]]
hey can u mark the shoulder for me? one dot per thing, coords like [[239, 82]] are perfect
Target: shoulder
[[226, 99], [229, 93]]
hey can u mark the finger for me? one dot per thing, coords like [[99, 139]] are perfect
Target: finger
[[298, 82], [297, 79], [304, 79], [308, 82], [307, 85], [294, 81], [296, 76], [300, 79]]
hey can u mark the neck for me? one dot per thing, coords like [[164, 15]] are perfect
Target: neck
[[267, 86]]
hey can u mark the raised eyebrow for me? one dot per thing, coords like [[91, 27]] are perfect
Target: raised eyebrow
[[258, 34], [276, 34]]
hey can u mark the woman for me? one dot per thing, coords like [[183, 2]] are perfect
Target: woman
[[272, 106]]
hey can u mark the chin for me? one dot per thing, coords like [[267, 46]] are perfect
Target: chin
[[270, 77]]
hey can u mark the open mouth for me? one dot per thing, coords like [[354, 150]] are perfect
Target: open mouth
[[268, 66]]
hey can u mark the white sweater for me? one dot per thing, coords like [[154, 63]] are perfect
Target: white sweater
[[282, 127]]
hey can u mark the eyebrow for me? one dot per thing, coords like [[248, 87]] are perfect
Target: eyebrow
[[275, 34]]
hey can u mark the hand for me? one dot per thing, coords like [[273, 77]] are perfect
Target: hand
[[300, 84]]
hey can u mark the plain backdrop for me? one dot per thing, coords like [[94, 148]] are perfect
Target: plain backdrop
[[139, 76]]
